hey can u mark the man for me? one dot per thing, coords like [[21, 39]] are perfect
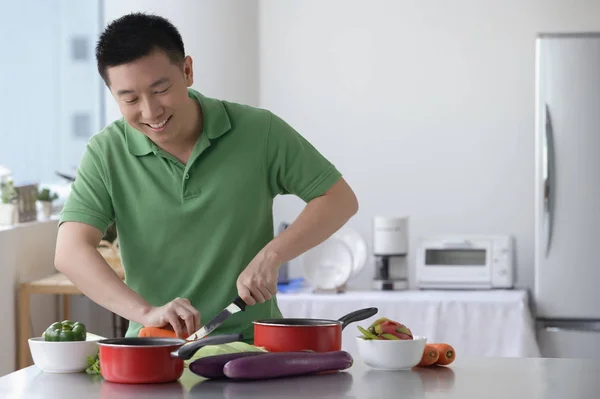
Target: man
[[189, 182]]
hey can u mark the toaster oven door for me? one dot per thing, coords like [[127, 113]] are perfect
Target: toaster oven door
[[449, 263]]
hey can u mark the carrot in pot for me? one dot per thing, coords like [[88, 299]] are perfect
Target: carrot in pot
[[157, 332], [447, 354], [430, 356]]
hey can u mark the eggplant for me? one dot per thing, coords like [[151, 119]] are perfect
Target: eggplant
[[283, 364], [212, 366]]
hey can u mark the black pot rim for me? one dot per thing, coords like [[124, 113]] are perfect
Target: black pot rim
[[298, 322], [141, 342]]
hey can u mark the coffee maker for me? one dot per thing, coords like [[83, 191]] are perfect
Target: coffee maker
[[390, 247]]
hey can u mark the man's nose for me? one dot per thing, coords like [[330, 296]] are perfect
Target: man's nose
[[151, 109]]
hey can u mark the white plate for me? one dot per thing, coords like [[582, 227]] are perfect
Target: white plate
[[357, 245], [329, 265]]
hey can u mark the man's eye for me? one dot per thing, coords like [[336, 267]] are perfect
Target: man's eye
[[131, 101], [162, 91]]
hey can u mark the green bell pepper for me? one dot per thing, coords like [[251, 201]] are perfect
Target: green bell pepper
[[66, 330]]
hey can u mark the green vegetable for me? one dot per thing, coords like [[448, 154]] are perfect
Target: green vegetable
[[367, 334], [66, 330], [93, 365], [232, 347]]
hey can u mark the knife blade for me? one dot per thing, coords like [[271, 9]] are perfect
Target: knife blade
[[238, 305]]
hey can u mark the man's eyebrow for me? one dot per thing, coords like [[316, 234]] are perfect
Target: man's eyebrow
[[121, 92], [157, 83]]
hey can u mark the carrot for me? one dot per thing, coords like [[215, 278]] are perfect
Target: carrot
[[447, 353], [430, 356], [157, 332]]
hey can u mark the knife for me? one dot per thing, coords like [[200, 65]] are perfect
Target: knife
[[237, 305]]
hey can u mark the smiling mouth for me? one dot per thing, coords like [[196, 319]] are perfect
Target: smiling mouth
[[157, 127]]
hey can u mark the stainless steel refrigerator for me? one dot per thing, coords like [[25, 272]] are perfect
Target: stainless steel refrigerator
[[567, 195]]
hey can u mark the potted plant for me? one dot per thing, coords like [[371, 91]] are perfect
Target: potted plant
[[45, 198], [8, 206]]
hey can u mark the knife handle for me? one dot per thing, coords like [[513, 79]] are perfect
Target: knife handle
[[240, 303]]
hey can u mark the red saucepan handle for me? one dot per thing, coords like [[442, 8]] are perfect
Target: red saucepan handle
[[186, 351], [357, 315]]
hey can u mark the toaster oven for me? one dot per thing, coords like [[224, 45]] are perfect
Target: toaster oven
[[465, 262]]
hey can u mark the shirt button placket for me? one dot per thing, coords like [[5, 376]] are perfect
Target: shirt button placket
[[185, 189]]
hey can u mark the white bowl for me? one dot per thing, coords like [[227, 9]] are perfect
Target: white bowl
[[62, 357], [391, 354]]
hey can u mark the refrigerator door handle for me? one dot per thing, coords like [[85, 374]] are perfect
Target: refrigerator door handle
[[575, 328], [549, 166]]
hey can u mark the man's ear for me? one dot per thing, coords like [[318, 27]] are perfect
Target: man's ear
[[188, 71]]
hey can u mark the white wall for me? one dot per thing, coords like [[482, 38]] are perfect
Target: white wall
[[221, 36], [427, 107]]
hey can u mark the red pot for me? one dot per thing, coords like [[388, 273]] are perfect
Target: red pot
[[139, 360], [293, 334]]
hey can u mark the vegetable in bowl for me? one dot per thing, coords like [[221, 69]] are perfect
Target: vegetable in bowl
[[65, 330], [386, 329]]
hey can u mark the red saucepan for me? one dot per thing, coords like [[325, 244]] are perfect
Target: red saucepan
[[138, 360], [319, 335]]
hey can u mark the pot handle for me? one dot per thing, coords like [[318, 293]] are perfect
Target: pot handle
[[357, 315], [187, 350]]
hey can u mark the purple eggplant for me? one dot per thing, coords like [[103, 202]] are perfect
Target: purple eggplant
[[212, 366], [282, 364]]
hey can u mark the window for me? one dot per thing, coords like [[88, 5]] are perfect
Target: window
[[52, 95]]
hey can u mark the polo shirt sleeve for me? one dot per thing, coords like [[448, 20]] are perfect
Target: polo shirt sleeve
[[89, 201], [294, 165]]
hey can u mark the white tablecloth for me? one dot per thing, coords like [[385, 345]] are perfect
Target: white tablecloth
[[476, 323]]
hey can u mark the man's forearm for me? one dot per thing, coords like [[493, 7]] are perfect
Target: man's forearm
[[321, 217], [88, 270]]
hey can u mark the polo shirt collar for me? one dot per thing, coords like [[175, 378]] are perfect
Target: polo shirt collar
[[137, 142], [216, 123], [216, 120]]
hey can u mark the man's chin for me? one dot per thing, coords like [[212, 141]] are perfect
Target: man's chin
[[156, 137]]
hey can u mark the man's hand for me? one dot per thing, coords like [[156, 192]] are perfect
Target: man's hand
[[179, 313], [258, 282], [319, 219]]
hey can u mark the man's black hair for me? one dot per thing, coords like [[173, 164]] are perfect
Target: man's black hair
[[134, 36]]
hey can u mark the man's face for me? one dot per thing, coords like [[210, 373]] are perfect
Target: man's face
[[152, 95]]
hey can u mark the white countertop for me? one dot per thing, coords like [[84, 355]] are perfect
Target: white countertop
[[466, 378]]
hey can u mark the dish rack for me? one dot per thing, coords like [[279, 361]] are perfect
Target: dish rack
[[330, 265]]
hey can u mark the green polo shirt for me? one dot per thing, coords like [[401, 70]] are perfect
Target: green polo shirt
[[189, 230]]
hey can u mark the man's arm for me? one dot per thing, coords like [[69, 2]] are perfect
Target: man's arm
[[76, 256], [320, 218]]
